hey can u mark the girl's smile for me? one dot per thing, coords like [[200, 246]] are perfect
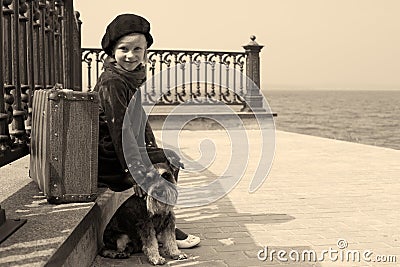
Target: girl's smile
[[130, 51]]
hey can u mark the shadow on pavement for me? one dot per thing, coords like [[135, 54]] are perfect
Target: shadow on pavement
[[226, 240]]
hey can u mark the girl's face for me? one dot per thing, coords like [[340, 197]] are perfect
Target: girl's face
[[130, 51]]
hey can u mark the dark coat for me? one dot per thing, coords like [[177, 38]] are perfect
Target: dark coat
[[121, 116]]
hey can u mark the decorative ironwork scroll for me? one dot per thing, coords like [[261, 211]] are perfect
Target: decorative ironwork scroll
[[177, 76]]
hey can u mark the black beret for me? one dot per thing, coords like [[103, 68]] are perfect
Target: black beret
[[122, 25]]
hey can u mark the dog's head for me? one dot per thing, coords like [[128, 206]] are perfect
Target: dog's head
[[162, 193]]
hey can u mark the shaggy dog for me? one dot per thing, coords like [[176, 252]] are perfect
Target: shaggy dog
[[138, 223]]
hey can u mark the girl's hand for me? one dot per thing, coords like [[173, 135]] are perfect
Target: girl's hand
[[138, 190]]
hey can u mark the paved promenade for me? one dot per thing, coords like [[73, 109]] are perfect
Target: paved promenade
[[319, 191]]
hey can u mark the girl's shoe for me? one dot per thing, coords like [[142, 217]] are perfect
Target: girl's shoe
[[189, 242]]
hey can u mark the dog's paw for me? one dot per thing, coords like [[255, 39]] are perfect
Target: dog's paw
[[107, 253], [180, 256], [157, 260]]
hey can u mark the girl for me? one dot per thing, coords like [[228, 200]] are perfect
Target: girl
[[126, 41]]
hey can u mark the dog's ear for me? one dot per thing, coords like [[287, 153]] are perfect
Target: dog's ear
[[173, 158], [176, 162], [167, 175]]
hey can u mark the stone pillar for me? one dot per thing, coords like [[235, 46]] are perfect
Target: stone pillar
[[253, 97]]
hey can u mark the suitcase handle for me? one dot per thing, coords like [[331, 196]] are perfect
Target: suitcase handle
[[71, 95]]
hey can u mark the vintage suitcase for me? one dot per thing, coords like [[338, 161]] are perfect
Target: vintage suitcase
[[64, 144]]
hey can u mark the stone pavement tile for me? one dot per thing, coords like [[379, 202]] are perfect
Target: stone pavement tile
[[241, 262], [244, 240], [222, 218], [294, 225], [236, 258], [265, 238], [199, 256], [132, 261], [234, 247], [234, 229], [230, 258], [351, 235], [202, 252], [202, 230], [198, 263], [238, 218], [198, 228], [324, 242], [226, 235], [368, 239], [257, 227], [395, 243], [233, 223], [212, 224]]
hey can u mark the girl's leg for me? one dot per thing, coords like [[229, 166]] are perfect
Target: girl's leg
[[180, 235]]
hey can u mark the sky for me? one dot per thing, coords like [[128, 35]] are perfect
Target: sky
[[308, 44]]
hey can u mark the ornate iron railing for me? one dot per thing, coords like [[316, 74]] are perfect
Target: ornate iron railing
[[177, 76], [39, 47]]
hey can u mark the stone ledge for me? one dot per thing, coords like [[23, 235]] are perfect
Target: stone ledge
[[55, 235], [211, 121], [206, 117]]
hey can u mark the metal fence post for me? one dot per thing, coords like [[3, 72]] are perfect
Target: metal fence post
[[72, 48], [253, 97], [78, 53], [3, 114]]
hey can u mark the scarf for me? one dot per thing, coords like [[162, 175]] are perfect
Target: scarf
[[135, 77]]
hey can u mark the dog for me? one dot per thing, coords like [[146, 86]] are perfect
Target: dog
[[140, 223]]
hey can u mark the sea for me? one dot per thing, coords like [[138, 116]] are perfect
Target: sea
[[359, 116]]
